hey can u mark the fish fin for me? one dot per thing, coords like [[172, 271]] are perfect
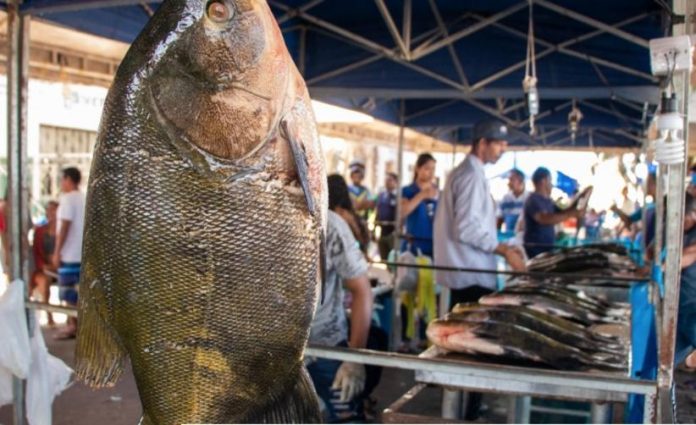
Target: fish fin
[[301, 166], [99, 355], [301, 405]]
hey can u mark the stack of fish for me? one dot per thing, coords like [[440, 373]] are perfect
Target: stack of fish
[[604, 260], [550, 326]]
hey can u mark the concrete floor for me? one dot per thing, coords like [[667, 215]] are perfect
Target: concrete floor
[[79, 405]]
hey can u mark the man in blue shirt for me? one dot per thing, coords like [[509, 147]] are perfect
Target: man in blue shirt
[[541, 215], [386, 215], [359, 194], [512, 204]]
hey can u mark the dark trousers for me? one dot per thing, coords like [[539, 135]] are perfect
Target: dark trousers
[[323, 373], [385, 244], [470, 295], [467, 295]]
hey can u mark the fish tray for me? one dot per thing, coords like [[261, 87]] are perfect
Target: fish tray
[[488, 375]]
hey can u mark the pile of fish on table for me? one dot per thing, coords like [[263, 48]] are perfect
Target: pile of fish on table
[[608, 260], [529, 323]]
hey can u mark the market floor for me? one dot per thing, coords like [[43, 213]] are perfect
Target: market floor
[[120, 405], [79, 405]]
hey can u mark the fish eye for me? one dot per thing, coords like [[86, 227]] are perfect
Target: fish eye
[[219, 12]]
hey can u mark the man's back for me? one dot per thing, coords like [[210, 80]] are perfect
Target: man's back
[[465, 228]]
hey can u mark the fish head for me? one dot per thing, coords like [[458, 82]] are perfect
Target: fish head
[[225, 76], [443, 330]]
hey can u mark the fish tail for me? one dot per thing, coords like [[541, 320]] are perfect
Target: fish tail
[[301, 405], [99, 356]]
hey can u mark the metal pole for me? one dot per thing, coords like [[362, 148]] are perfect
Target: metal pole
[[17, 78], [674, 245], [593, 22], [391, 26], [396, 300], [601, 413], [452, 401], [519, 409]]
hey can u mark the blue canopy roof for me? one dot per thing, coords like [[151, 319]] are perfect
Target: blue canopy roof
[[461, 60]]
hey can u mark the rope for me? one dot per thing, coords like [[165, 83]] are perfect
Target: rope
[[531, 51], [529, 83]]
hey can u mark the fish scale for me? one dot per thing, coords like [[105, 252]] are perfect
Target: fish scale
[[206, 268], [178, 275]]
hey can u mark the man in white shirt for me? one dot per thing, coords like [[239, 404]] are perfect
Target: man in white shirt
[[512, 205], [68, 251], [465, 233]]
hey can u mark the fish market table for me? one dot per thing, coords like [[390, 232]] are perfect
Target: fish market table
[[600, 388], [466, 375]]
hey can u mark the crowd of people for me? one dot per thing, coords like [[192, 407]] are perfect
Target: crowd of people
[[456, 226], [469, 219], [57, 248]]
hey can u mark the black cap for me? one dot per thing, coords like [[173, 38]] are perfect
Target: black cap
[[490, 129], [357, 166]]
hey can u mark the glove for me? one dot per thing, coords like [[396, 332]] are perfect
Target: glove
[[350, 379]]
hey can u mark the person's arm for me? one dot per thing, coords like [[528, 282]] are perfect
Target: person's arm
[[410, 205], [625, 218], [689, 256], [38, 249], [554, 218], [361, 310], [366, 203], [469, 197], [351, 267], [513, 256], [60, 241]]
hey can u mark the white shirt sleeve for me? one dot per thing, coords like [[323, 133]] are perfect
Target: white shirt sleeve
[[470, 196], [68, 208], [346, 257]]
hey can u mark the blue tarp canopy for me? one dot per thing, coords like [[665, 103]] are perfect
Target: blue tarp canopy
[[453, 62]]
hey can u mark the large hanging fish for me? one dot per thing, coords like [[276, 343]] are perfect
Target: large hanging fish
[[205, 217]]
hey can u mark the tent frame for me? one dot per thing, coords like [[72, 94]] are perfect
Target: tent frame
[[405, 54]]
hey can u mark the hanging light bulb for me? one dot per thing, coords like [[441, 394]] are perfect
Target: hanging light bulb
[[574, 118], [670, 147]]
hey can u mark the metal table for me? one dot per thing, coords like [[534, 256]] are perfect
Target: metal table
[[476, 376], [515, 380]]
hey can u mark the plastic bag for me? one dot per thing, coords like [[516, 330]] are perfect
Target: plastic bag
[[15, 354], [48, 377], [407, 277]]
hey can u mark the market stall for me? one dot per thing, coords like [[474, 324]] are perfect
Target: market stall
[[412, 84]]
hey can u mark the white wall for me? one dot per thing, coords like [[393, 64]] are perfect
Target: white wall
[[57, 104]]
